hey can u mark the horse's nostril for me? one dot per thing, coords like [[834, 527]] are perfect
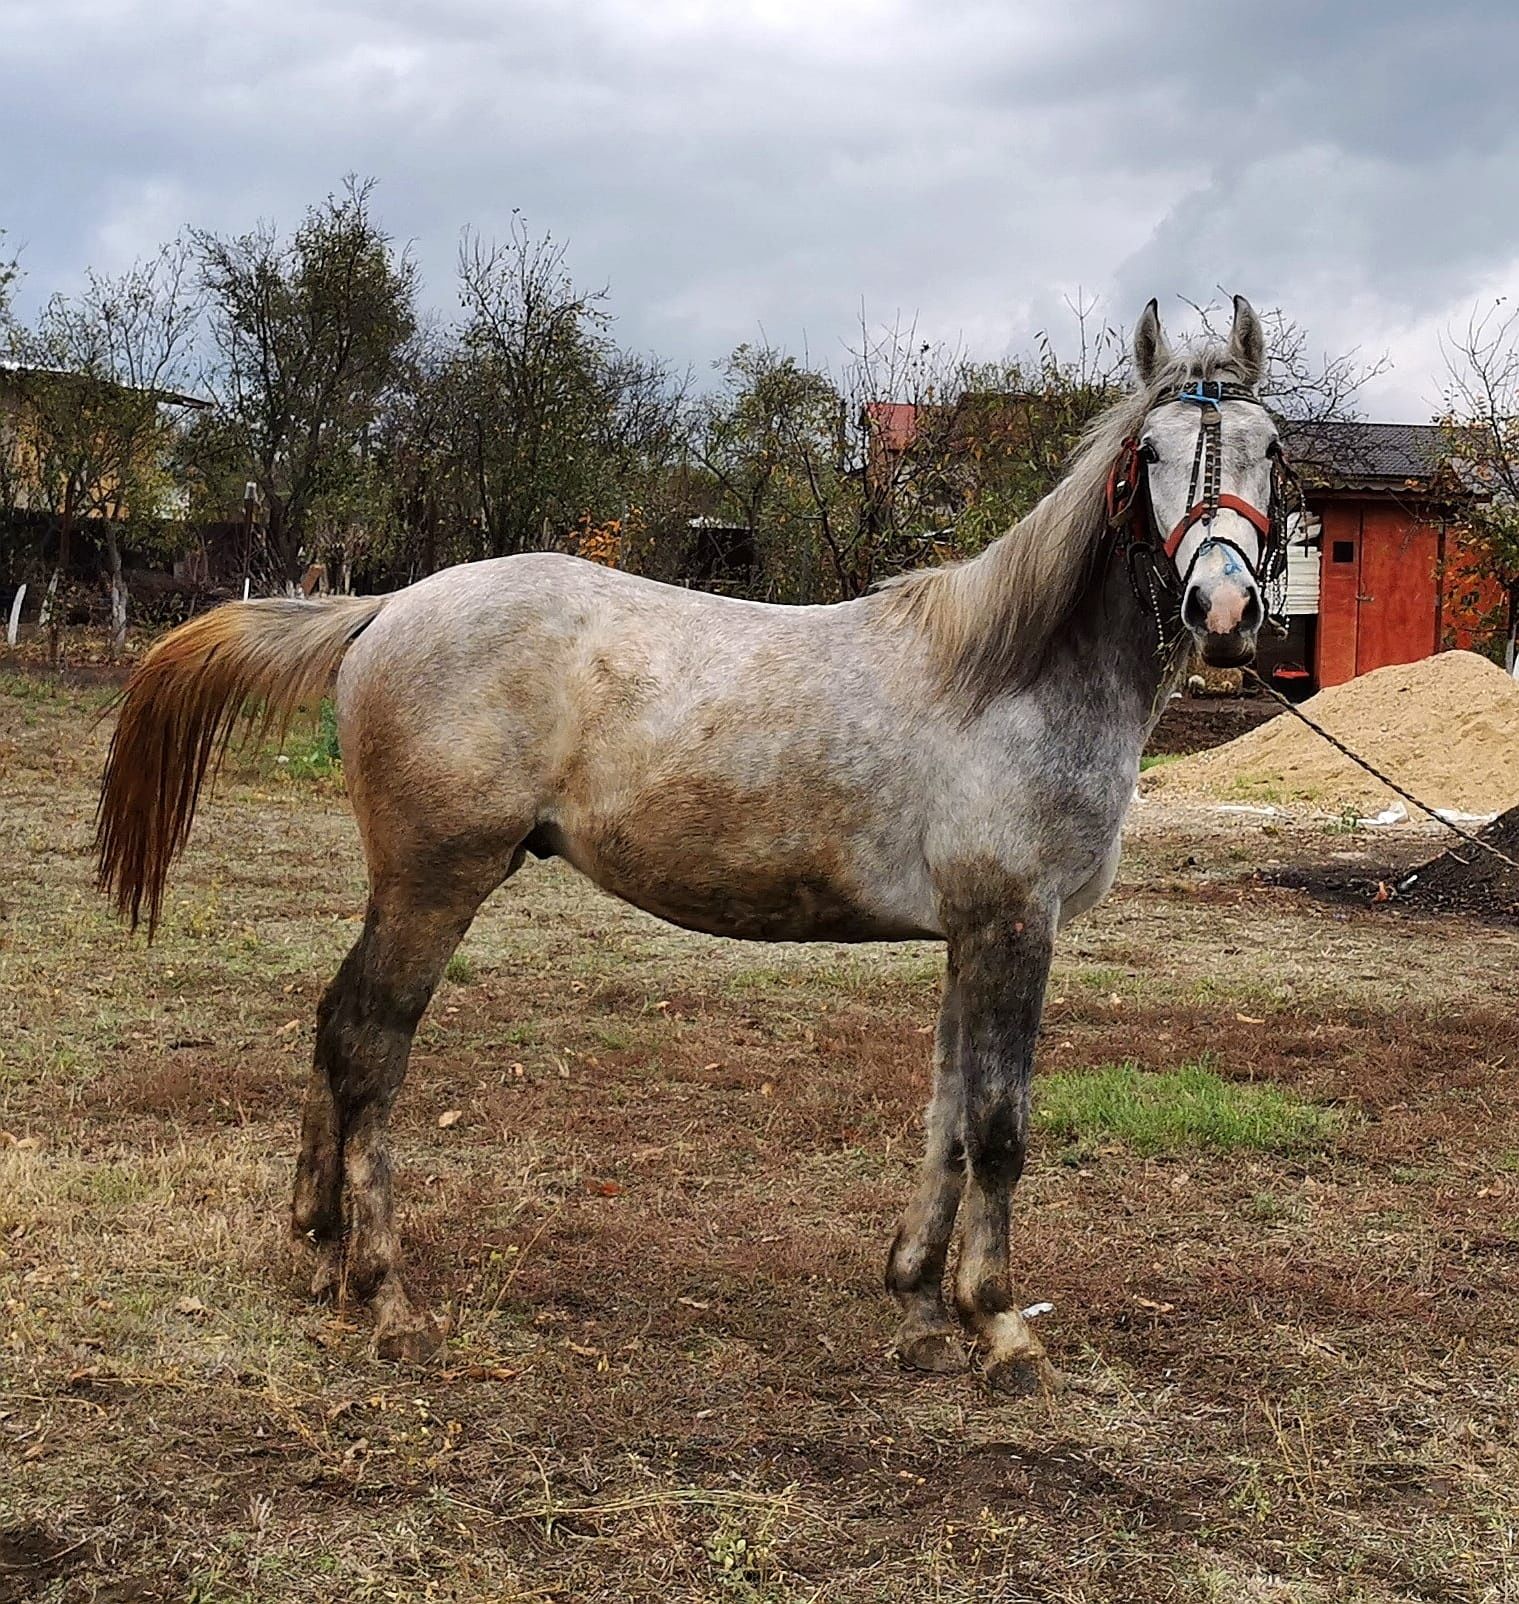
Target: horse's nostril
[[1194, 610]]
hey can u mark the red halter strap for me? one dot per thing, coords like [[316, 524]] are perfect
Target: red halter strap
[[1253, 515]]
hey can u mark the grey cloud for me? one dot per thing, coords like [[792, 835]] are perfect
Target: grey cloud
[[726, 167]]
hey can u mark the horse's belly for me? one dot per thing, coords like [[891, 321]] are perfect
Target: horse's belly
[[796, 910], [723, 888]]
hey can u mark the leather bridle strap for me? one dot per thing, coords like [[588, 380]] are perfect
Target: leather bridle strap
[[1253, 515], [1130, 512], [1204, 496]]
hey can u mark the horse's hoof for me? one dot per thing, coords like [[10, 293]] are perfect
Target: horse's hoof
[[327, 1274], [314, 1269], [410, 1344], [940, 1353], [1023, 1377]]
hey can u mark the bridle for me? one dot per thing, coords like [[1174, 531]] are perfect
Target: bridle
[[1160, 585]]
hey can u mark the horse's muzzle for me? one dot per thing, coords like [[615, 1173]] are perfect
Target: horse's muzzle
[[1224, 617], [1228, 651]]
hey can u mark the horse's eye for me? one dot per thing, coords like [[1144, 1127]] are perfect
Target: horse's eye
[[1274, 449], [1147, 452]]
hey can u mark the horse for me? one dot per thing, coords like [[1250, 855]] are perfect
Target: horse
[[948, 758]]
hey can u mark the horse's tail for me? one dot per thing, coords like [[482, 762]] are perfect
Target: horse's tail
[[178, 712]]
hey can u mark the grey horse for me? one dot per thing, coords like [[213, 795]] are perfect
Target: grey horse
[[949, 758]]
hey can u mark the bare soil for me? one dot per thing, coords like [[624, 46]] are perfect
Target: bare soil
[[1196, 723], [658, 1225], [1459, 879]]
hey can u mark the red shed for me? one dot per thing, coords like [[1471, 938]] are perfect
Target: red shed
[[1389, 548]]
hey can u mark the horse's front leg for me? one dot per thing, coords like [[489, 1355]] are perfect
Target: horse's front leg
[[1000, 948], [927, 1338]]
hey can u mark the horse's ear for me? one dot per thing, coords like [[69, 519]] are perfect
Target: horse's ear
[[1151, 353], [1247, 341]]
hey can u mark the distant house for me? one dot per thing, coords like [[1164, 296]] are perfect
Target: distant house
[[25, 390], [1378, 573]]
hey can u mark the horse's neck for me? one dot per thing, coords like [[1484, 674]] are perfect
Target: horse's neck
[[1112, 656]]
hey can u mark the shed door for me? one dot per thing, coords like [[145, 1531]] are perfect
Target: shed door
[[1339, 585], [1398, 603]]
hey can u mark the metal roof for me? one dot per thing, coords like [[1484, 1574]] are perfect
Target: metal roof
[[170, 398], [1384, 455]]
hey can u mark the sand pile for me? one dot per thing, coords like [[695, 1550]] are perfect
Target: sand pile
[[1447, 728]]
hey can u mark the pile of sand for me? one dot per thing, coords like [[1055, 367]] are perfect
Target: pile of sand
[[1446, 728]]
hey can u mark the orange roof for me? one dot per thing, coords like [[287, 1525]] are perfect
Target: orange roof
[[895, 423]]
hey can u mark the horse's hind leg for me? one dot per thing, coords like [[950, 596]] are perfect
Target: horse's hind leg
[[365, 1027], [316, 1212], [927, 1338]]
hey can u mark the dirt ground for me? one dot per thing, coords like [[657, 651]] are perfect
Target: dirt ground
[[658, 1224], [1195, 723]]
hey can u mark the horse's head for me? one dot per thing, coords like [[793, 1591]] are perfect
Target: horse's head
[[1208, 447]]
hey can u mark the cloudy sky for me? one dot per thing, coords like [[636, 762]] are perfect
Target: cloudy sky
[[728, 166]]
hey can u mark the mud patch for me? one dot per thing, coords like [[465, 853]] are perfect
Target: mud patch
[[1460, 880], [31, 1557]]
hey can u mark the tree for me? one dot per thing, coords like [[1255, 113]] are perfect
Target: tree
[[99, 376], [9, 273], [562, 425], [1006, 439], [773, 423], [910, 451], [308, 332], [522, 426], [10, 484], [1311, 389], [1481, 416]]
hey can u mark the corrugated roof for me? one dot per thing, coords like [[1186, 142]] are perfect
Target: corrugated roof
[[1368, 453], [170, 398]]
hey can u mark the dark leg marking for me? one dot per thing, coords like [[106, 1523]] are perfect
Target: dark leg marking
[[927, 1338], [366, 1022], [1002, 939]]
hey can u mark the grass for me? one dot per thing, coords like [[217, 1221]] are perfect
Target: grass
[[1153, 760], [1188, 1109], [311, 751], [658, 1224]]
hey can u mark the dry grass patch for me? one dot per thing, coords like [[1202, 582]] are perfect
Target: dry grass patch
[[659, 1224]]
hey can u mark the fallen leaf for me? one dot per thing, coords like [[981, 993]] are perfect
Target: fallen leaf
[[603, 1188], [192, 1307], [1155, 1308], [1249, 1019], [450, 1116]]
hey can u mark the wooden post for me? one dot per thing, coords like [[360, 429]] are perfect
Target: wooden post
[[250, 501], [58, 591]]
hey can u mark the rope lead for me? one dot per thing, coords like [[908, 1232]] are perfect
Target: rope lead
[[1377, 774]]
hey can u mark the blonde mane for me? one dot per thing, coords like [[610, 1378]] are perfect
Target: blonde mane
[[991, 620]]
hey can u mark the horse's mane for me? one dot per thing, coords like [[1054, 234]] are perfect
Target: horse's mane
[[991, 620]]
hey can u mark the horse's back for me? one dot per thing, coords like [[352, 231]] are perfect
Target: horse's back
[[723, 764]]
